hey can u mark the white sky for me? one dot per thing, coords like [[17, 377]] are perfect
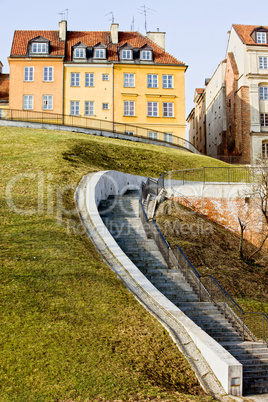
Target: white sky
[[196, 31]]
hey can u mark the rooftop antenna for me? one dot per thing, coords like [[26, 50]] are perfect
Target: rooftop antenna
[[145, 11], [64, 14], [112, 16], [132, 24]]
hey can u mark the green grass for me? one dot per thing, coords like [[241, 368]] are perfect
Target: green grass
[[70, 331]]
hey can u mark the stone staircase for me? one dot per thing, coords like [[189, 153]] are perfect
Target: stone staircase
[[121, 216]]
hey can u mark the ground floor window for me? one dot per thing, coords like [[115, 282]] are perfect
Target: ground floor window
[[265, 149], [75, 108], [153, 135], [129, 133], [27, 102], [168, 137], [1, 113], [129, 108], [47, 102], [89, 108]]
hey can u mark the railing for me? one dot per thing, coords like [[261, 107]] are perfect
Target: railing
[[251, 325], [228, 175], [96, 124]]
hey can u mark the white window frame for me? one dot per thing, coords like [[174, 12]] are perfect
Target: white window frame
[[39, 47], [105, 77], [263, 63], [265, 149], [89, 108], [105, 106], [264, 119], [75, 108], [75, 79], [129, 80], [153, 109], [261, 37], [131, 133], [1, 113], [168, 137], [79, 53], [48, 74], [167, 81], [263, 93], [146, 55], [168, 109], [153, 135], [28, 102], [47, 102], [129, 108], [89, 79], [152, 80], [126, 54], [28, 74], [99, 54]]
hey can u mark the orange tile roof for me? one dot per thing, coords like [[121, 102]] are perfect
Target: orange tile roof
[[245, 31], [135, 39], [199, 90], [4, 86], [21, 39]]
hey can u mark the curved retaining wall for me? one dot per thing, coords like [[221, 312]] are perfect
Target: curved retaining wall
[[217, 370]]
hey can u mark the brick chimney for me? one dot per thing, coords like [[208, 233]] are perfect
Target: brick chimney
[[114, 33], [158, 38], [63, 30]]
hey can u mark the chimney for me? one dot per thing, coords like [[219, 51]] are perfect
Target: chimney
[[114, 33], [1, 67], [158, 38], [63, 30]]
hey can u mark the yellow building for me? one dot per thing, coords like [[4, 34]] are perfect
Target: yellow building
[[107, 80]]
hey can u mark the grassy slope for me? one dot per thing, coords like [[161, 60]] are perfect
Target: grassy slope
[[69, 328], [213, 250]]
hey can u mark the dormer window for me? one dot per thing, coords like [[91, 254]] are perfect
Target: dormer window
[[126, 52], [146, 55], [261, 37], [38, 45], [100, 51]]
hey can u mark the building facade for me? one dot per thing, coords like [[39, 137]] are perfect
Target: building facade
[[113, 76], [197, 121], [4, 93]]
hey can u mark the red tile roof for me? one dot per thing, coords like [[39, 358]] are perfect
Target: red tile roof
[[135, 39], [245, 31], [199, 90], [21, 39], [4, 86]]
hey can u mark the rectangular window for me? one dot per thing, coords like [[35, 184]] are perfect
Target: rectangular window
[[28, 73], [261, 37], [99, 54], [1, 113], [129, 80], [105, 77], [89, 79], [152, 80], [129, 132], [264, 119], [75, 108], [263, 63], [105, 106], [27, 102], [126, 54], [152, 109], [75, 79], [168, 137], [263, 93], [146, 55], [129, 108], [168, 109], [47, 102], [48, 74], [167, 81], [79, 53], [153, 135], [39, 47], [265, 149], [89, 108]]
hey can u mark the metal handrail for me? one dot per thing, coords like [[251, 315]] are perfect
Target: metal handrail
[[93, 123], [176, 258]]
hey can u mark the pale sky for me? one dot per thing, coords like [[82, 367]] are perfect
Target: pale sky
[[196, 31]]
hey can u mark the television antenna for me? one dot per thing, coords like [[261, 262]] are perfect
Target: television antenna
[[112, 16], [64, 14], [145, 11], [133, 24]]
